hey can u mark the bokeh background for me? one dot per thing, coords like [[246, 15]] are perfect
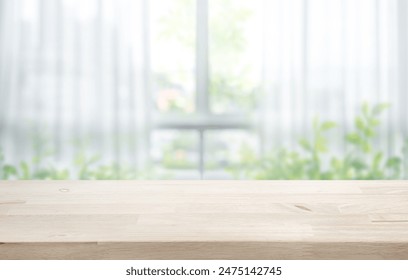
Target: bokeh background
[[203, 89]]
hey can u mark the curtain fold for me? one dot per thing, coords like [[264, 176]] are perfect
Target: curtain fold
[[325, 59], [71, 80], [75, 76]]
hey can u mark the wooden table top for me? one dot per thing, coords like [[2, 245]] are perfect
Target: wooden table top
[[203, 219]]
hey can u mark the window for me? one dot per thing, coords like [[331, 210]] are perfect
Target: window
[[153, 89], [205, 83]]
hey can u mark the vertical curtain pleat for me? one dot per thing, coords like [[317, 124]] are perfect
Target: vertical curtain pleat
[[325, 59], [75, 75], [59, 72], [403, 70], [71, 77]]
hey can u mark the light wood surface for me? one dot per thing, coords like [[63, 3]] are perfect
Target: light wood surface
[[203, 219]]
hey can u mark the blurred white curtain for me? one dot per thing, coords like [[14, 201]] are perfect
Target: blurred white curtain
[[72, 77], [325, 58], [77, 69]]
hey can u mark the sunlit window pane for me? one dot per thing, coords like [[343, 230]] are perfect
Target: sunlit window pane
[[235, 30], [173, 55]]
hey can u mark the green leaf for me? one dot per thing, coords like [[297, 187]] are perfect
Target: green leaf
[[366, 147], [369, 132], [327, 125], [62, 175], [353, 138], [393, 162], [305, 144], [25, 170], [374, 122], [9, 170], [360, 124], [320, 144], [336, 163], [358, 164], [79, 159], [377, 160], [379, 108]]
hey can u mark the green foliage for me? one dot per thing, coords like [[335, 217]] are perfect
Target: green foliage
[[290, 165], [230, 84], [175, 24], [39, 167], [176, 153], [312, 161], [85, 168], [361, 161]]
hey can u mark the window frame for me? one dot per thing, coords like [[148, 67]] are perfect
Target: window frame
[[203, 119]]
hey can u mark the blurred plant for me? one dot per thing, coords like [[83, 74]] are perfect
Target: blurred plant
[[311, 159], [90, 168], [6, 170], [360, 161], [179, 153], [39, 167], [85, 168]]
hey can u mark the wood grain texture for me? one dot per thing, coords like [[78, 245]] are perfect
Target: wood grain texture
[[204, 220]]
